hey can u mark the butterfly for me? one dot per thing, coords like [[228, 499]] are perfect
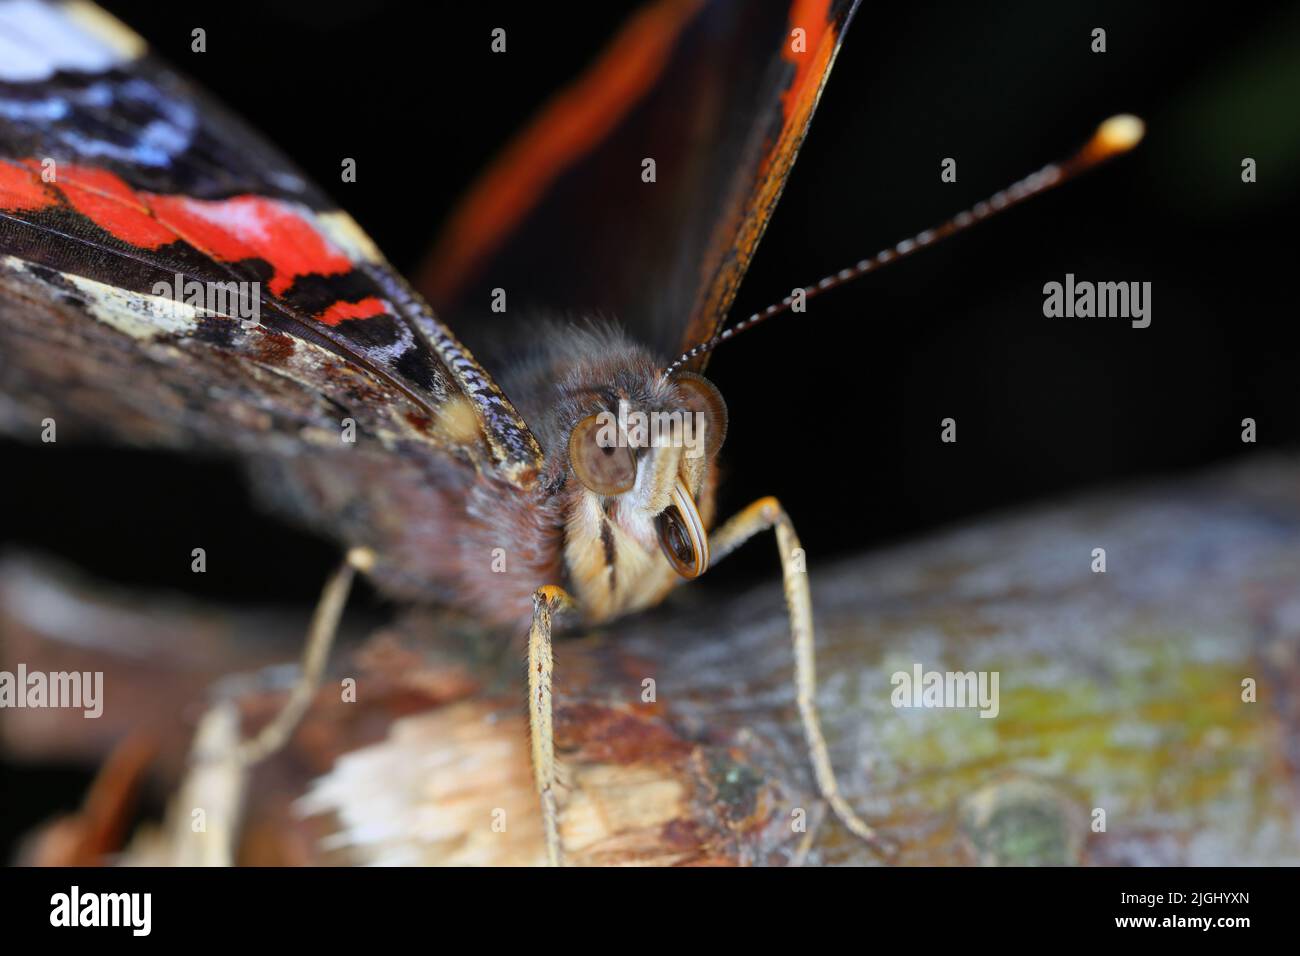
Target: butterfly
[[169, 279]]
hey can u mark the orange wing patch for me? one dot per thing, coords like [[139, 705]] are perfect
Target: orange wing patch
[[568, 128], [814, 18], [227, 230]]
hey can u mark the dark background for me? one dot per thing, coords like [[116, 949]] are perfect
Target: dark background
[[1044, 407]]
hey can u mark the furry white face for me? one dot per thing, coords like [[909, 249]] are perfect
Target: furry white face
[[643, 499], [659, 473]]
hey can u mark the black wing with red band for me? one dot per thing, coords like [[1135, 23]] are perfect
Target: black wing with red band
[[720, 95], [119, 181]]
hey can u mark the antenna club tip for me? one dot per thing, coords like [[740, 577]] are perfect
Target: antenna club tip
[[1118, 134]]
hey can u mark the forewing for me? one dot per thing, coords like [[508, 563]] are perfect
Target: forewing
[[719, 95], [176, 256]]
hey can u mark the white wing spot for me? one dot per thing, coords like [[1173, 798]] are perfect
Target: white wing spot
[[140, 316], [37, 39]]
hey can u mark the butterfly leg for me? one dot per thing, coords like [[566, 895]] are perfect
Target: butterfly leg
[[547, 601], [315, 656], [758, 517]]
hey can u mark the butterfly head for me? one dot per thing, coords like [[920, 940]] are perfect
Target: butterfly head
[[640, 455]]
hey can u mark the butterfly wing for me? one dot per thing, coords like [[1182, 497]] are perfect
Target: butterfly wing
[[138, 215], [719, 95]]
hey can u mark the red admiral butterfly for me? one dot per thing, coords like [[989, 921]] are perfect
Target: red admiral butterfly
[[169, 279]]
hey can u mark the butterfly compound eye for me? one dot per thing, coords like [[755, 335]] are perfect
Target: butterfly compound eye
[[599, 461], [702, 396], [681, 535]]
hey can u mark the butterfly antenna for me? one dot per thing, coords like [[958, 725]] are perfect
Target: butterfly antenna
[[1116, 135]]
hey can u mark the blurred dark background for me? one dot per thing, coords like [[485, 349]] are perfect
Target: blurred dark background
[[1044, 407]]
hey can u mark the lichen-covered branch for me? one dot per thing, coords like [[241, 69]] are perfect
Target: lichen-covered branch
[[1123, 701]]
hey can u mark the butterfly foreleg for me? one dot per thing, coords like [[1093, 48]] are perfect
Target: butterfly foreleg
[[315, 657], [547, 601], [758, 517]]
